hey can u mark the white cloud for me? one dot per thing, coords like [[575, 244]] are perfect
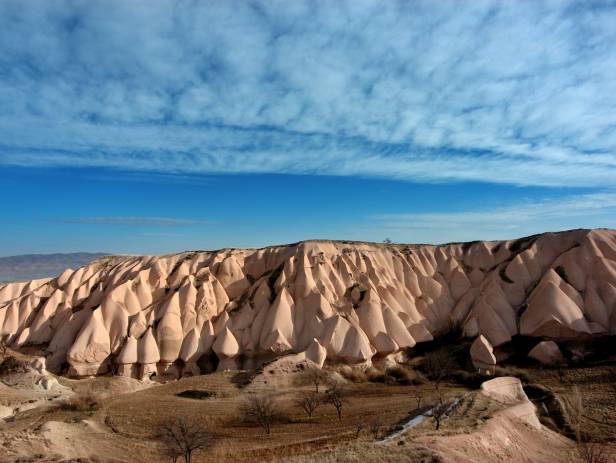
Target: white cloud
[[514, 220], [507, 92]]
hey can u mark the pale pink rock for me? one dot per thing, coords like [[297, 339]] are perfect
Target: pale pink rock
[[546, 352], [91, 347], [358, 300], [482, 355]]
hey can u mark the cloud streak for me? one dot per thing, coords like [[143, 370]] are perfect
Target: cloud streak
[[504, 92], [134, 221], [521, 218]]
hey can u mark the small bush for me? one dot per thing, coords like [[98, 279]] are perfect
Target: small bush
[[195, 394], [82, 403], [353, 374], [400, 375], [11, 365], [375, 376]]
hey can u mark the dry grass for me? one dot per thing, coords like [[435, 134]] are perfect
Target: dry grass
[[133, 418], [365, 451], [596, 383], [135, 415]]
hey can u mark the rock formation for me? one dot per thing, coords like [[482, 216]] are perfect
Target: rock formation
[[336, 301], [482, 355], [546, 352]]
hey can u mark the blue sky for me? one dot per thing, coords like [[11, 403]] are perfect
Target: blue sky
[[158, 126]]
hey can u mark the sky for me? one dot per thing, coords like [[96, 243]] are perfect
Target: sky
[[160, 126]]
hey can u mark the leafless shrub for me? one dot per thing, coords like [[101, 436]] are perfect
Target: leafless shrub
[[591, 452], [438, 366], [315, 376], [359, 426], [375, 426], [183, 437], [308, 402], [336, 396], [260, 409]]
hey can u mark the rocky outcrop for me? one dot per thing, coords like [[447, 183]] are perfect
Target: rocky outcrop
[[482, 355], [328, 301], [546, 352]]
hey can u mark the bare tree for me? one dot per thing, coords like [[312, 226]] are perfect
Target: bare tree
[[260, 409], [336, 396], [308, 402], [418, 398], [439, 411], [183, 437], [375, 426], [3, 347], [438, 366], [315, 376]]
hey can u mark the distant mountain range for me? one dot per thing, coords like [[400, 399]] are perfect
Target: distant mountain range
[[34, 266]]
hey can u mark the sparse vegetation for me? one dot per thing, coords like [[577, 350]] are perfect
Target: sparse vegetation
[[336, 396], [308, 402], [395, 375], [375, 426], [313, 375], [438, 365], [11, 365], [183, 437], [589, 452], [359, 426], [439, 411], [401, 375], [194, 394], [260, 409], [87, 402]]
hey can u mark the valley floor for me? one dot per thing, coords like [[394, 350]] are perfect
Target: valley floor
[[123, 423]]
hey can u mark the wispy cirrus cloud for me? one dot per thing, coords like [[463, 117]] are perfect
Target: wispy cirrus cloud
[[521, 218], [504, 92], [135, 221]]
